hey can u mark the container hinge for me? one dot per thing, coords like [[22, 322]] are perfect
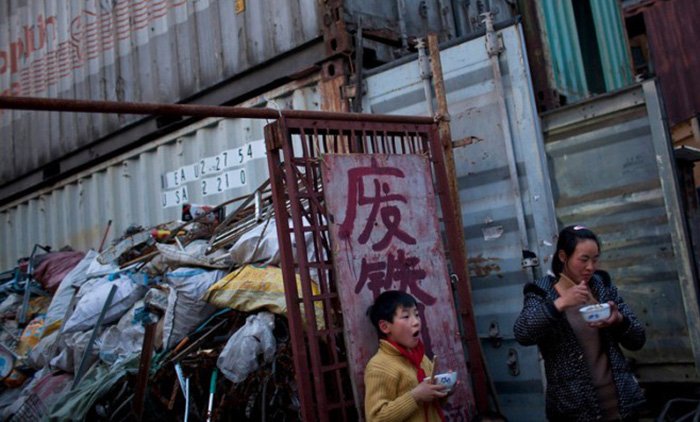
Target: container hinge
[[529, 260], [349, 91], [513, 362], [495, 335], [494, 42]]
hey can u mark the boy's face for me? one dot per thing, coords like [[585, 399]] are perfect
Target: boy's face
[[405, 329]]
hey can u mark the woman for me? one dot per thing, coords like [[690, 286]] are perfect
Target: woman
[[588, 377]]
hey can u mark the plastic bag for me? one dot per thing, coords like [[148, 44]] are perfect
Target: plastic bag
[[92, 297], [186, 309], [240, 355]]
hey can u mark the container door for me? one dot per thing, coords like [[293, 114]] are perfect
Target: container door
[[506, 202], [612, 169]]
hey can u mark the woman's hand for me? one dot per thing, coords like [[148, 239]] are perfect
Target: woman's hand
[[614, 318], [426, 392], [575, 296]]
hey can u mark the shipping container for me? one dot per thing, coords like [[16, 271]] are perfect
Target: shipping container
[[509, 223], [580, 46], [167, 51], [512, 174], [613, 169], [638, 214], [209, 162], [668, 51]]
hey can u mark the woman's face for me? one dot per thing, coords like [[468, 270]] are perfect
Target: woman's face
[[580, 265]]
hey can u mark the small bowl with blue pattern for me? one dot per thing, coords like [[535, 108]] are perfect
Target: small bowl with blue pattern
[[448, 379], [597, 312]]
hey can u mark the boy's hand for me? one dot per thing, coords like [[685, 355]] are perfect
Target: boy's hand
[[426, 392]]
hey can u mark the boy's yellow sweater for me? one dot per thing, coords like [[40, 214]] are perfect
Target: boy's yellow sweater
[[389, 379]]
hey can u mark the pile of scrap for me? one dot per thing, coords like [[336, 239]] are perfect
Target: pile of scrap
[[182, 320]]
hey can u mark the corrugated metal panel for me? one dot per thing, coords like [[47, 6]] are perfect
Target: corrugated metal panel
[[611, 43], [160, 51], [129, 189], [469, 14], [674, 54], [565, 53], [612, 171], [489, 207], [586, 41], [127, 50]]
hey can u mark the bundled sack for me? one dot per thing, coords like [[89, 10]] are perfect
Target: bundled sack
[[10, 305], [31, 335], [124, 339], [97, 269], [72, 347], [92, 297], [240, 355], [253, 288], [54, 267], [186, 308], [264, 236], [65, 292], [194, 254], [44, 351]]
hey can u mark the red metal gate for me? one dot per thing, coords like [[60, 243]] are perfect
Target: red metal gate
[[294, 146]]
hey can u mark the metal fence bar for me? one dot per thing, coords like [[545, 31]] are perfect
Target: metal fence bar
[[164, 109], [324, 367]]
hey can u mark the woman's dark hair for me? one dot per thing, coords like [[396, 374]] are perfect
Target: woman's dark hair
[[569, 237], [385, 306]]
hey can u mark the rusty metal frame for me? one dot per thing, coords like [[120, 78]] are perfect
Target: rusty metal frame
[[294, 147]]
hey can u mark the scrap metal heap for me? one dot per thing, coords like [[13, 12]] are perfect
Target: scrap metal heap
[[181, 320]]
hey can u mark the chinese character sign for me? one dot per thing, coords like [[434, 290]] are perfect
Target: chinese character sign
[[384, 229]]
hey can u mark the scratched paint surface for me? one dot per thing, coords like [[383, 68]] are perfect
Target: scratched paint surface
[[385, 235]]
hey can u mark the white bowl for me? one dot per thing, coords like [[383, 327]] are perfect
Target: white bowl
[[448, 379], [597, 312]]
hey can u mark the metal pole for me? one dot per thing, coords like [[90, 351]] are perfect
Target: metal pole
[[95, 332], [494, 49], [160, 109], [144, 368], [478, 370], [425, 75]]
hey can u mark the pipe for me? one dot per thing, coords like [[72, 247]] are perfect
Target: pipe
[[401, 11], [476, 354], [163, 109], [494, 49], [425, 75]]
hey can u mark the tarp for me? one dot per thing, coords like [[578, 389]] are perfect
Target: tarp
[[75, 405]]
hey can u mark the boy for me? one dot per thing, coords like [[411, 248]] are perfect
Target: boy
[[395, 389]]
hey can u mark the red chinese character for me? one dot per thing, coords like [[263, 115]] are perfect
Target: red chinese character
[[390, 214], [379, 276]]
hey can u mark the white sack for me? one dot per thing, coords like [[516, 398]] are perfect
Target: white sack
[[65, 292], [186, 309], [92, 297], [124, 339], [72, 347]]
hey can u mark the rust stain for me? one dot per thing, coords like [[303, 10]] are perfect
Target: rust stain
[[482, 267]]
